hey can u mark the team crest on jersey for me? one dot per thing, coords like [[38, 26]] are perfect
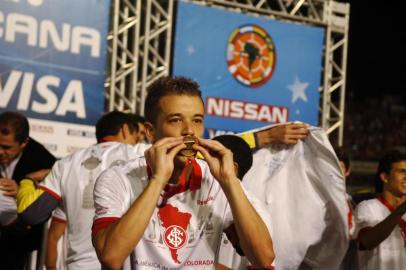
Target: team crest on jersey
[[251, 55], [175, 237]]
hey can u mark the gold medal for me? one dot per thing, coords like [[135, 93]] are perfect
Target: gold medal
[[189, 141]]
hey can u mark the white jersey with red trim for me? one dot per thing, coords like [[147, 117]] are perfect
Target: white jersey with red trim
[[391, 253], [229, 257], [71, 181], [184, 231], [59, 214]]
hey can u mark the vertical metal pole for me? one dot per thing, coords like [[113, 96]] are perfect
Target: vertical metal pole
[[114, 55], [169, 37], [135, 59], [325, 110], [344, 78], [146, 54]]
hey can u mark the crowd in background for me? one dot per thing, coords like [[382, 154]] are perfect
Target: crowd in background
[[374, 124]]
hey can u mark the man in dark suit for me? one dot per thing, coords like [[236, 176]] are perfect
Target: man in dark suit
[[20, 155]]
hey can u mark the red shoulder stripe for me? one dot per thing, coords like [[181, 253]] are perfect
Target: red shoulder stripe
[[102, 223], [51, 192]]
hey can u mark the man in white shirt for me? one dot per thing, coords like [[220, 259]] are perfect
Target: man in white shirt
[[70, 184], [168, 209], [381, 222], [19, 156], [8, 209]]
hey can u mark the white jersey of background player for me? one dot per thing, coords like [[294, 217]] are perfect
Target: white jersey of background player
[[70, 185]]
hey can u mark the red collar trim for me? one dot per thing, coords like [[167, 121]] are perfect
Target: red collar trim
[[102, 140], [192, 169], [386, 203], [402, 222]]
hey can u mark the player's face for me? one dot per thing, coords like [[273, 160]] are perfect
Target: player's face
[[9, 148], [396, 179], [179, 115]]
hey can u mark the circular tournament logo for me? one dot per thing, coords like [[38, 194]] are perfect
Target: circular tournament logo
[[251, 55], [175, 237]]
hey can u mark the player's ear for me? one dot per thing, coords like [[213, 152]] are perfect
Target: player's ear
[[347, 172], [125, 130], [384, 177], [24, 143], [150, 131]]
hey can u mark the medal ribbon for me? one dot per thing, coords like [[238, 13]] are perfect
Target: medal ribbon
[[190, 178]]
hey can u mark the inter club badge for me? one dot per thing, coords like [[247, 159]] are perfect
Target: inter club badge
[[175, 237], [251, 55]]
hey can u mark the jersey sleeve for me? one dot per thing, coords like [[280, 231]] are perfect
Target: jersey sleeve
[[52, 183], [364, 216], [59, 215], [256, 204], [111, 199], [250, 138], [227, 255]]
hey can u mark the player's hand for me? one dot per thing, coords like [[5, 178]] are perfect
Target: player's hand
[[9, 187], [219, 158], [160, 157], [289, 133]]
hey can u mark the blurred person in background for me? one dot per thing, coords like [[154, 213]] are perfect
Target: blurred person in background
[[381, 222], [350, 259], [69, 186], [19, 156], [140, 120]]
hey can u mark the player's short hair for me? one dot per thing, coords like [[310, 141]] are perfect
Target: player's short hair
[[167, 86], [111, 122], [385, 166]]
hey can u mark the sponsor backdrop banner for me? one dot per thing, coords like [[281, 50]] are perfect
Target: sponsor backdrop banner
[[53, 57], [252, 71]]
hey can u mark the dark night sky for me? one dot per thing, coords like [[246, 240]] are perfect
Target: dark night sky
[[376, 57]]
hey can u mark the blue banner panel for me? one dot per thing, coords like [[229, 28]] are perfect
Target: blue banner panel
[[252, 71], [53, 58]]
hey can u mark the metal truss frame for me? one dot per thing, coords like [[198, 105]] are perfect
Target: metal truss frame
[[140, 43], [139, 47]]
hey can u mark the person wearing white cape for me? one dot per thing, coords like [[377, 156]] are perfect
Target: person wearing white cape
[[304, 191]]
